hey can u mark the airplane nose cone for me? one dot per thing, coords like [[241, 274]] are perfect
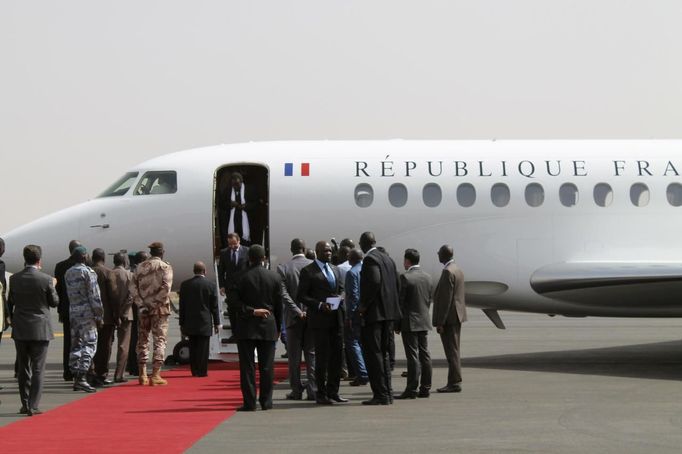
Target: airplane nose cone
[[52, 233]]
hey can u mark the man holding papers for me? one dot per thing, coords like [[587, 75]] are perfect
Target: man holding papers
[[319, 290]]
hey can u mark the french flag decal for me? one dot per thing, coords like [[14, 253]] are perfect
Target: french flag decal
[[289, 169]]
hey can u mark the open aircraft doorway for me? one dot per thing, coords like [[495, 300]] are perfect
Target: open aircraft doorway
[[256, 194]]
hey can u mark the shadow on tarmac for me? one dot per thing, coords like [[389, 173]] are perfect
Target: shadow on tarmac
[[660, 360]]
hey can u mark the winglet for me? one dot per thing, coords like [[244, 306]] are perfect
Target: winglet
[[495, 318]]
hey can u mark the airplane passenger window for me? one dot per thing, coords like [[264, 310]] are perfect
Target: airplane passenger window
[[121, 186], [157, 182], [639, 194], [466, 194], [432, 195], [500, 195], [364, 195], [674, 193], [397, 195], [535, 195], [568, 194], [603, 195]]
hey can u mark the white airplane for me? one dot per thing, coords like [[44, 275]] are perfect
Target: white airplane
[[575, 228]]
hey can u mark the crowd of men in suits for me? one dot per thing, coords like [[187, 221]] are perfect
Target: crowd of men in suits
[[336, 308], [352, 310]]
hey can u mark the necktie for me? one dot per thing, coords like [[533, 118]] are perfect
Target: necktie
[[330, 277], [234, 258]]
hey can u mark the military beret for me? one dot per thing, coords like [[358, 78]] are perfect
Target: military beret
[[79, 251], [156, 245]]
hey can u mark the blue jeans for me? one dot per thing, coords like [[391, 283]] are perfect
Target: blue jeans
[[354, 355]]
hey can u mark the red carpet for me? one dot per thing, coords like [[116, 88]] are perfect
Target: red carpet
[[134, 418]]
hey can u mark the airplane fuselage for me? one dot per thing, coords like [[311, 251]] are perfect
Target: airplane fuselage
[[518, 213]]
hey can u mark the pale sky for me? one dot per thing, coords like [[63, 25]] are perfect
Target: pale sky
[[90, 88]]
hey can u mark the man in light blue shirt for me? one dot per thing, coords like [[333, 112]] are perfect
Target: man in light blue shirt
[[356, 360]]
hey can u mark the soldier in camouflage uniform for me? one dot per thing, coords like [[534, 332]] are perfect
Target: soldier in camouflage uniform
[[150, 287], [85, 315]]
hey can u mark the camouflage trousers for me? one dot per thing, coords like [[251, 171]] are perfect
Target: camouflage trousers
[[83, 345], [155, 326]]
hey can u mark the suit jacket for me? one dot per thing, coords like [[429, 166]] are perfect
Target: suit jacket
[[415, 300], [31, 295], [314, 289], [227, 271], [59, 274], [379, 288], [3, 296], [104, 282], [290, 273], [257, 288], [251, 199], [2, 279], [448, 299], [119, 293], [198, 305]]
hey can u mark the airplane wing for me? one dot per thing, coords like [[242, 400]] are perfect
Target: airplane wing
[[611, 283]]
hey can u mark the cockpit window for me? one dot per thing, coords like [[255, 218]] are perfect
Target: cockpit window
[[121, 186], [157, 182]]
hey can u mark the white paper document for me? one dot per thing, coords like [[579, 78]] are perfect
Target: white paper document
[[334, 302]]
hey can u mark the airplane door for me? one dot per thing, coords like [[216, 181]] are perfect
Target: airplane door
[[106, 222]]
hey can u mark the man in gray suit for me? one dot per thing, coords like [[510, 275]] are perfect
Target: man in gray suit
[[31, 295], [415, 301], [449, 312], [122, 306], [299, 333]]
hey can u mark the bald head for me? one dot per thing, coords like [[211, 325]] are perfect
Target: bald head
[[73, 244], [200, 268], [354, 257], [445, 254], [297, 246], [323, 251], [367, 241]]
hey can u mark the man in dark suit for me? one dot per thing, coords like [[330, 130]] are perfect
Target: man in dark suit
[[257, 301], [415, 301], [239, 205], [379, 309], [234, 260], [3, 284], [449, 312], [105, 333], [63, 309], [319, 281], [198, 305], [31, 295], [300, 338]]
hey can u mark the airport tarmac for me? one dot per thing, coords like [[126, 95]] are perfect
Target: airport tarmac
[[543, 385]]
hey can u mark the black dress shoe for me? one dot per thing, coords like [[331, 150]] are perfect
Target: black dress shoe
[[106, 381], [120, 380], [324, 401], [423, 394], [34, 411], [266, 406], [450, 389], [359, 382], [23, 411], [339, 399], [245, 408], [403, 374], [406, 395], [82, 385], [375, 402], [294, 396]]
